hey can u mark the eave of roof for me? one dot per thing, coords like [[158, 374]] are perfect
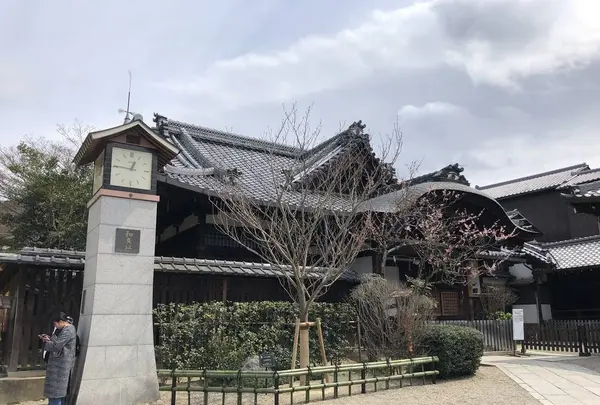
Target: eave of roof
[[75, 261], [533, 183], [95, 141], [575, 254], [388, 202]]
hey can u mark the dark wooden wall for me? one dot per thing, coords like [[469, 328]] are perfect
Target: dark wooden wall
[[39, 293], [184, 288], [550, 213], [575, 294]]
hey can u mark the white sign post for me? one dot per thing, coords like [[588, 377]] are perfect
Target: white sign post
[[518, 327]]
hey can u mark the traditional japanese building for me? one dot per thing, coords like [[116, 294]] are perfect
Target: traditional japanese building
[[563, 205], [195, 261]]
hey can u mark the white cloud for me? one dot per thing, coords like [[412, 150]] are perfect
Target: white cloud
[[433, 108], [523, 154], [496, 42]]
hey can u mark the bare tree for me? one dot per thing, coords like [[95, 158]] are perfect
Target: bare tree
[[392, 317], [447, 239], [495, 298], [308, 215]]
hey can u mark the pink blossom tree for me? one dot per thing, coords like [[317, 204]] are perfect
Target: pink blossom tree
[[453, 244]]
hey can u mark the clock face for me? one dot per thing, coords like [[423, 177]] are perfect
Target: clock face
[[131, 168]]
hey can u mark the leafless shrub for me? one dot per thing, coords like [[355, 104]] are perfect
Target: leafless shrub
[[392, 317]]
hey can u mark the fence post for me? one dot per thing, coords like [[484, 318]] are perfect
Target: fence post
[[173, 386], [582, 340], [363, 376], [276, 386]]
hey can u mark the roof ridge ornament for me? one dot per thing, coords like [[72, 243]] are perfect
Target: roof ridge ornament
[[357, 128], [451, 173]]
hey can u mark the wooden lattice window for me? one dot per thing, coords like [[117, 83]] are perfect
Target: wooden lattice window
[[450, 303]]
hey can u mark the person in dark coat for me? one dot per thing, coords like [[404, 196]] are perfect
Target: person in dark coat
[[61, 359]]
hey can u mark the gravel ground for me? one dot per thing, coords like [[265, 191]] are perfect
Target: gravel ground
[[488, 387]]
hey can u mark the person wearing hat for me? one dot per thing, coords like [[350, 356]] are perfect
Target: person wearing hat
[[61, 348]]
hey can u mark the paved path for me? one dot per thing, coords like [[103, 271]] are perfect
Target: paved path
[[550, 379]]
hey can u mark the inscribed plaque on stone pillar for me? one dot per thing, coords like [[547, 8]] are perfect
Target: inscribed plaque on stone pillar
[[127, 241]]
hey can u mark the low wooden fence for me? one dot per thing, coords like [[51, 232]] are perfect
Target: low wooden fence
[[497, 335], [209, 387], [564, 336]]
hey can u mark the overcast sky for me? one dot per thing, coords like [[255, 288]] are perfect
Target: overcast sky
[[506, 88]]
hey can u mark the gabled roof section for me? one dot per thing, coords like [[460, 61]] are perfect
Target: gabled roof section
[[575, 254], [95, 141], [582, 177], [533, 183], [211, 159]]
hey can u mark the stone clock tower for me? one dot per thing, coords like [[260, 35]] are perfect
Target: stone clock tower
[[117, 364]]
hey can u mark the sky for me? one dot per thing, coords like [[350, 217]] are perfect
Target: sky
[[505, 88]]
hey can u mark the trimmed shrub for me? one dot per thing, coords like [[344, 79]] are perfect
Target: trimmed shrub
[[216, 336], [459, 348]]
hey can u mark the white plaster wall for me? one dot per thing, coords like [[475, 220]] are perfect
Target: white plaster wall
[[530, 314], [520, 272], [362, 265]]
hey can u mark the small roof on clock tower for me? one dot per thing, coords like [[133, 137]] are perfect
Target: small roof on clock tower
[[96, 141]]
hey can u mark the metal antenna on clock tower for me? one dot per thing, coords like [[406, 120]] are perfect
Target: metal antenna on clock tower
[[127, 112]]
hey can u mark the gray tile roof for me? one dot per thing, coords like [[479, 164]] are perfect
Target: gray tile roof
[[575, 253], [210, 160], [582, 177], [587, 190], [223, 267], [76, 260], [533, 183]]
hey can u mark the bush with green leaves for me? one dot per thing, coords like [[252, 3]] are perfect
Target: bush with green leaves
[[459, 349], [217, 336]]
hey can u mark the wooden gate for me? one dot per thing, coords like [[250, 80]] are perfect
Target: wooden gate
[[38, 293]]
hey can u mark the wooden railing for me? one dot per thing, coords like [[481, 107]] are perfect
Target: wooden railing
[[582, 337], [201, 386]]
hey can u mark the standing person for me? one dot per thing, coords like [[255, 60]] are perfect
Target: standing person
[[61, 359]]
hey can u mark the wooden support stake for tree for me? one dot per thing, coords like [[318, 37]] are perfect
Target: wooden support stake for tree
[[295, 348], [322, 346], [224, 290]]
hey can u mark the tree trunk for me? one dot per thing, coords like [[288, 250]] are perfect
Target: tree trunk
[[304, 344]]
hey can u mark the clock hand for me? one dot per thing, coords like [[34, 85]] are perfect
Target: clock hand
[[133, 165], [121, 167]]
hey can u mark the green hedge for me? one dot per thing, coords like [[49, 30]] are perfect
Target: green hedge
[[459, 348], [218, 336]]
